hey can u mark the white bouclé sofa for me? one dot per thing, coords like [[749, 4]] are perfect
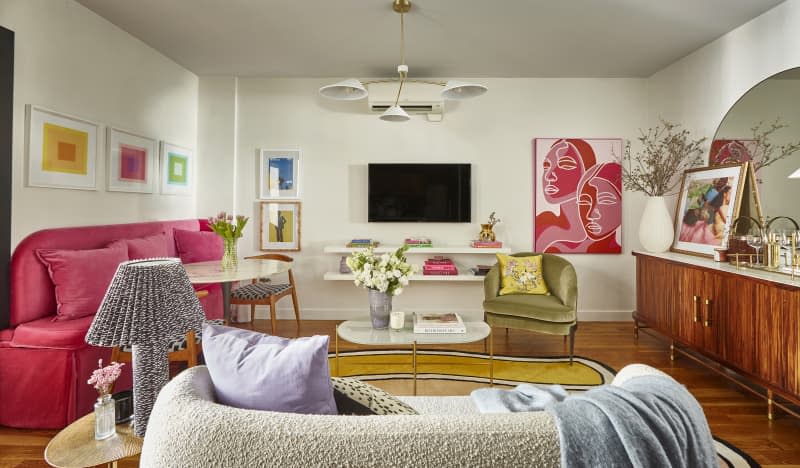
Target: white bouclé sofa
[[187, 428]]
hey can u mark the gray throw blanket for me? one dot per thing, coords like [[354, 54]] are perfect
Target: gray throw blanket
[[648, 421]]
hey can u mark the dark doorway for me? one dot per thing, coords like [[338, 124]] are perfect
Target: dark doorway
[[6, 124]]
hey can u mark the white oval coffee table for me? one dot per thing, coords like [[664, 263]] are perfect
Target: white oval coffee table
[[362, 333]]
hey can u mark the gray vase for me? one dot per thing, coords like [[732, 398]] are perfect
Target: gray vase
[[380, 305]]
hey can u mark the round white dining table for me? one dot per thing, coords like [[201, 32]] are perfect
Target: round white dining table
[[249, 268]]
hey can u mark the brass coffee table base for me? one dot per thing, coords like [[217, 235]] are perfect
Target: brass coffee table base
[[414, 364]]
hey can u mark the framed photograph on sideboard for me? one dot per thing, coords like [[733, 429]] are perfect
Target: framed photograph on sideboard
[[279, 174], [709, 200], [280, 225]]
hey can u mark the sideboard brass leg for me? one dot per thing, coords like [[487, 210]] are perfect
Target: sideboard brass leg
[[770, 406], [671, 350], [635, 331]]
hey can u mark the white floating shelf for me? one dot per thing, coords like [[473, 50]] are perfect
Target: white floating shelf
[[422, 250], [333, 276]]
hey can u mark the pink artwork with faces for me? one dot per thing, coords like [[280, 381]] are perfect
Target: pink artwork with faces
[[577, 195], [132, 163]]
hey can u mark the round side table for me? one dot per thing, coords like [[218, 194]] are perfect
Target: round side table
[[75, 446]]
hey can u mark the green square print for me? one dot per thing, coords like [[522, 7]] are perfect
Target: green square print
[[177, 169]]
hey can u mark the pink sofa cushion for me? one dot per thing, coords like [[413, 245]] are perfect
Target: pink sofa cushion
[[145, 247], [198, 246], [81, 277], [45, 333]]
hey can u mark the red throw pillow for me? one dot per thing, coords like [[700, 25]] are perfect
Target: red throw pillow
[[198, 246], [145, 247], [81, 277]]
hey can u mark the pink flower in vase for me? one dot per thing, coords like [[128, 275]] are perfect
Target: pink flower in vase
[[103, 378]]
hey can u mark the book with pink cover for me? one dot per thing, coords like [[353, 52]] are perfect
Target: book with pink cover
[[486, 244]]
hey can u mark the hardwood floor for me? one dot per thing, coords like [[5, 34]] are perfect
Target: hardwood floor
[[733, 414]]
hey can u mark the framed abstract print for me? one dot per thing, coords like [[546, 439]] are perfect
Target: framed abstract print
[[280, 225], [177, 169], [731, 151], [709, 200], [62, 150], [131, 162], [279, 174], [577, 195]]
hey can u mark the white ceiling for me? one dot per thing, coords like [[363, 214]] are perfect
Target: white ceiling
[[461, 38]]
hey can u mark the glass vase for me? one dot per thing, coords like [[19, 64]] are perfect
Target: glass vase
[[230, 258], [380, 306], [104, 417]]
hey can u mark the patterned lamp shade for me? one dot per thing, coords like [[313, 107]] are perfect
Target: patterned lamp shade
[[149, 303]]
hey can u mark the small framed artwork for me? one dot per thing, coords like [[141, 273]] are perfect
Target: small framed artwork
[[177, 169], [131, 161], [731, 151], [280, 225], [62, 150], [279, 174], [709, 200]]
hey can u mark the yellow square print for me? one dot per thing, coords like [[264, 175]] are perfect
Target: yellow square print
[[281, 226], [65, 150]]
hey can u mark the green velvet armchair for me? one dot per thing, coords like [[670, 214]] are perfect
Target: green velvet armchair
[[555, 313]]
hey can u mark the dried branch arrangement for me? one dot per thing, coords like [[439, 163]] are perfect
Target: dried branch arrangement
[[667, 151], [766, 153]]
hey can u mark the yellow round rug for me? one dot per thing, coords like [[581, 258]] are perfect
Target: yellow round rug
[[458, 373]]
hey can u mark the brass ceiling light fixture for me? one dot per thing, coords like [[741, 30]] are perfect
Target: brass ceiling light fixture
[[353, 89]]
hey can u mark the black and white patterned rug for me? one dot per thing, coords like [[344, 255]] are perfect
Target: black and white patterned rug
[[732, 457]]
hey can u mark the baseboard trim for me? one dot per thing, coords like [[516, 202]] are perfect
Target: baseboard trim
[[325, 313]]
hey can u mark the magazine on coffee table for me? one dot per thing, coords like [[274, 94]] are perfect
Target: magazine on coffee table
[[428, 322]]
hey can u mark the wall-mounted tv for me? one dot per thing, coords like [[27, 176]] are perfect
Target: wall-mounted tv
[[433, 193]]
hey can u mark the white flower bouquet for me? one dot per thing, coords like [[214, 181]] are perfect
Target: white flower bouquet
[[387, 273]]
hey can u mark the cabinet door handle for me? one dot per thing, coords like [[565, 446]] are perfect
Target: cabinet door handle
[[708, 322], [696, 309]]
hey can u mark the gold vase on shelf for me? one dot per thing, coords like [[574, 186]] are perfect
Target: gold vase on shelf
[[487, 229], [487, 234]]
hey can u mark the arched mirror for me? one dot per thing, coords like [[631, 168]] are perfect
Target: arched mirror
[[764, 127]]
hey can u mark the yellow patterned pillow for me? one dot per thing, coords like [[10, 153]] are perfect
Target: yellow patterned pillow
[[521, 275]]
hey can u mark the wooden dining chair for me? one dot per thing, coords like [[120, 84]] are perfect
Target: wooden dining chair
[[184, 348], [267, 293]]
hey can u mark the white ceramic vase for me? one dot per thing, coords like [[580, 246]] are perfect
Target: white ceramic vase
[[655, 230]]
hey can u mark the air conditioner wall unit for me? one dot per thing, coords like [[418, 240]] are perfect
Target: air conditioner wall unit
[[416, 98]]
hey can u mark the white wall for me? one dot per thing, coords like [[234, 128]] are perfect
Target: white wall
[[70, 60], [216, 127], [492, 132], [698, 90]]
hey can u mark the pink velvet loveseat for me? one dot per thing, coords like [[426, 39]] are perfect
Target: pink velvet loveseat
[[44, 362]]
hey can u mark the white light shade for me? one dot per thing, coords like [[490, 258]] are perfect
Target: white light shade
[[348, 90], [395, 114], [458, 90]]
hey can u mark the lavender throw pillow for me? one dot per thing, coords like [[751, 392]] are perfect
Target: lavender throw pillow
[[256, 371]]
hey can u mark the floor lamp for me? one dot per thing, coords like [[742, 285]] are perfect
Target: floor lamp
[[148, 304]]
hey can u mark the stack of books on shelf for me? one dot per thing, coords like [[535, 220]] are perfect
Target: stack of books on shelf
[[438, 323], [479, 244], [362, 243], [439, 266], [418, 242], [481, 270]]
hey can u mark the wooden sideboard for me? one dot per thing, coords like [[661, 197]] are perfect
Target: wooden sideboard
[[747, 320]]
